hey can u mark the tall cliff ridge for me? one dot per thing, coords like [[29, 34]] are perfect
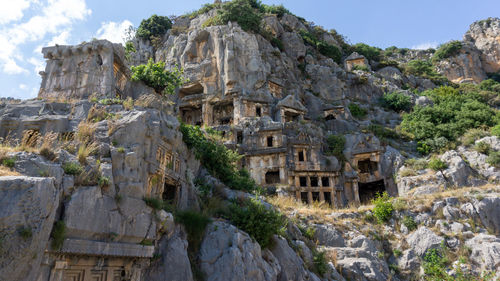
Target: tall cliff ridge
[[281, 153]]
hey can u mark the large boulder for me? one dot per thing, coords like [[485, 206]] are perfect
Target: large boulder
[[27, 211], [485, 253], [227, 253], [327, 235], [292, 266], [422, 240], [484, 35], [489, 213]]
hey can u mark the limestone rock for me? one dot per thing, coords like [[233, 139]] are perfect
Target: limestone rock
[[464, 67], [484, 35], [485, 254], [327, 235], [27, 203], [292, 266], [422, 240], [227, 253], [488, 210]]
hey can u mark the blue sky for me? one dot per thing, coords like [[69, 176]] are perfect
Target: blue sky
[[27, 25]]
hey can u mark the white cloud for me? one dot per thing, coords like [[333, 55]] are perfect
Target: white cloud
[[425, 46], [12, 10], [113, 31], [22, 86], [52, 17], [39, 64], [61, 39]]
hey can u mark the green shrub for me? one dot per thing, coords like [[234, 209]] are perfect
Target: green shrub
[[58, 235], [320, 263], [72, 168], [482, 147], [361, 67], [410, 223], [495, 130], [155, 76], [129, 49], [9, 162], [121, 149], [371, 53], [396, 101], [259, 221], [242, 12], [447, 50], [330, 51], [437, 164], [25, 232], [277, 43], [278, 10], [204, 9], [383, 207], [397, 252], [154, 26], [494, 158], [195, 224], [473, 134], [490, 85], [357, 111], [103, 181], [336, 144], [158, 204], [424, 69], [417, 164], [382, 132], [429, 145], [435, 265], [217, 158], [308, 232]]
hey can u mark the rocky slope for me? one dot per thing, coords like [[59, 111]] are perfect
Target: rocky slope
[[85, 176]]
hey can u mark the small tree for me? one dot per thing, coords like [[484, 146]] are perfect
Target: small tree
[[155, 76], [154, 26], [336, 145], [383, 207], [396, 101], [437, 164]]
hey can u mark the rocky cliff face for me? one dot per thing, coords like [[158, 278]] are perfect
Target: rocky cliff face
[[88, 167]]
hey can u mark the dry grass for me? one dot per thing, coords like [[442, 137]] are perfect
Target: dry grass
[[84, 151], [85, 132], [97, 113], [4, 171]]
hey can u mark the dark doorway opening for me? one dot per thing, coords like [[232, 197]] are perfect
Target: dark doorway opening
[[303, 181], [367, 166], [303, 197], [315, 196], [258, 111], [270, 141], [301, 156], [314, 181], [368, 190], [239, 137], [330, 117], [169, 192], [325, 181], [328, 197], [272, 177]]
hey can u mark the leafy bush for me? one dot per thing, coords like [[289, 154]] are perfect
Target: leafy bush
[[495, 130], [424, 69], [195, 224], [217, 159], [482, 147], [417, 164], [103, 182], [453, 113], [330, 51], [357, 111], [259, 221], [204, 9], [9, 162], [447, 50], [383, 207], [429, 145], [278, 10], [72, 168], [25, 232], [129, 49], [361, 67], [490, 85], [336, 144], [58, 234], [435, 265], [494, 158], [473, 134], [308, 232], [371, 53], [277, 43], [155, 76], [320, 263], [382, 132], [410, 223], [154, 26], [242, 12], [396, 101], [437, 164]]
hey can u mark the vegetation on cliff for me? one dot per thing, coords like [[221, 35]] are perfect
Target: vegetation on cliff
[[154, 26], [155, 76]]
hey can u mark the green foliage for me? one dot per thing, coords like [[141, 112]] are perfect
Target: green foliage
[[121, 149], [416, 164], [277, 43], [397, 252], [204, 9], [58, 234], [336, 144], [437, 164], [9, 162], [322, 47], [473, 134], [383, 207], [495, 130], [357, 111], [242, 12], [482, 147], [320, 263], [278, 10], [155, 76], [396, 101], [361, 67], [447, 50], [371, 53], [103, 181], [435, 265], [410, 223], [154, 26], [129, 49], [494, 158], [259, 221], [158, 204], [453, 113], [424, 69], [195, 224], [490, 85], [308, 232], [72, 168], [25, 232], [217, 159], [436, 144], [382, 132]]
